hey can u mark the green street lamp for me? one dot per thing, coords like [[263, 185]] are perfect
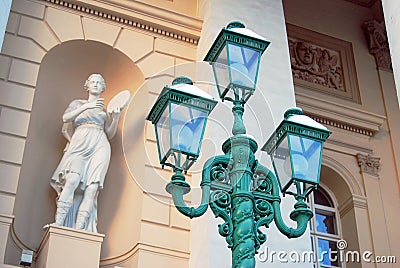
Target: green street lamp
[[238, 189]]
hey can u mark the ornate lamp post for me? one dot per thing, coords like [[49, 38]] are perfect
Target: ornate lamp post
[[240, 190]]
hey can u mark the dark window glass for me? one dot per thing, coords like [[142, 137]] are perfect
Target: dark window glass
[[327, 252], [321, 198], [325, 222]]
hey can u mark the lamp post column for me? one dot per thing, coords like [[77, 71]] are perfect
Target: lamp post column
[[241, 148]]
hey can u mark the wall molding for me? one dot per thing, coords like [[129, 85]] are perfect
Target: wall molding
[[341, 125], [143, 247], [351, 203], [189, 27], [338, 115]]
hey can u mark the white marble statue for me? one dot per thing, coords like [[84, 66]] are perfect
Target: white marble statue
[[83, 167]]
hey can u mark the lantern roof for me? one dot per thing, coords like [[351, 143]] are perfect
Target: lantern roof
[[236, 32], [296, 116], [240, 28], [296, 122], [185, 85], [181, 91]]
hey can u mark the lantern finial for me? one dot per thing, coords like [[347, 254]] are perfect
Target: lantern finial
[[182, 80], [293, 111], [235, 24]]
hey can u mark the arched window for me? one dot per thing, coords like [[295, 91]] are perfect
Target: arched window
[[324, 229]]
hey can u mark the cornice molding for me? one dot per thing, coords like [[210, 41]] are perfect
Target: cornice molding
[[138, 15], [341, 116], [341, 125]]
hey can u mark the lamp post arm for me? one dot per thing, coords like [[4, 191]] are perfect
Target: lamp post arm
[[191, 212], [178, 187], [301, 214]]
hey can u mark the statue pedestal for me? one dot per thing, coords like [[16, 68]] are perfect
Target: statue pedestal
[[64, 247]]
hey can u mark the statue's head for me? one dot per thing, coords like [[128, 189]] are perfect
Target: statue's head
[[94, 77]]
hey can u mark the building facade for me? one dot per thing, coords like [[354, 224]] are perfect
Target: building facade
[[331, 58]]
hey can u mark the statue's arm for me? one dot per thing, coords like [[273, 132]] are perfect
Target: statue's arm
[[73, 110], [111, 125], [76, 108]]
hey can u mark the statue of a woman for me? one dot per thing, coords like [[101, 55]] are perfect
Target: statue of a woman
[[83, 167]]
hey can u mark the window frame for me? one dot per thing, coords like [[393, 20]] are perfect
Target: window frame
[[314, 234]]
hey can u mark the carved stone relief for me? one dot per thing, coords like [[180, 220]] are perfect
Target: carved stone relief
[[316, 64], [368, 164], [322, 63], [378, 43]]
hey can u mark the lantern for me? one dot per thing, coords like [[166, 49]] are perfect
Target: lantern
[[179, 116], [235, 57]]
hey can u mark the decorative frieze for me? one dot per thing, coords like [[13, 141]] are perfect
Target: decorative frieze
[[368, 164], [322, 63], [316, 64]]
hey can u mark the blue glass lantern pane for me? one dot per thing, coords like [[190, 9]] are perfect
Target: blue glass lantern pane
[[243, 64], [163, 134], [221, 72], [281, 161], [306, 158], [187, 128]]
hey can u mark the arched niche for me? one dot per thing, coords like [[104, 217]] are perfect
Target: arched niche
[[62, 74]]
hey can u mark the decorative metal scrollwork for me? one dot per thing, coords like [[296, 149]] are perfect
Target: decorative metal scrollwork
[[220, 173], [262, 183], [220, 203], [264, 214]]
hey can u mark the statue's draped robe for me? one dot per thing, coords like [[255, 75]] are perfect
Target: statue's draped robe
[[87, 154]]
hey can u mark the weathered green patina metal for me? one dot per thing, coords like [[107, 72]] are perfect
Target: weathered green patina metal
[[242, 192], [239, 190]]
